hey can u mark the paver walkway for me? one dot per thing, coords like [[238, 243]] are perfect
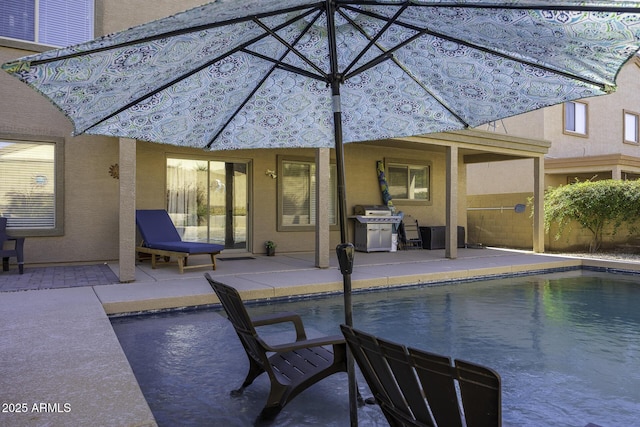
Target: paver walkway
[[68, 276]]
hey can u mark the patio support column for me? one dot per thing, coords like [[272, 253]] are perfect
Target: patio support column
[[323, 184], [616, 172], [451, 236], [538, 204], [127, 221]]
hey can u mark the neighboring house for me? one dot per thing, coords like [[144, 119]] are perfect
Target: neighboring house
[[595, 138], [74, 197]]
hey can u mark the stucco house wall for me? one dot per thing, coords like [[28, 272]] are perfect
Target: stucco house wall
[[361, 177]]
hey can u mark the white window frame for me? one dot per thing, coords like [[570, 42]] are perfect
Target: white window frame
[[411, 189], [630, 127], [304, 222], [33, 182], [576, 118], [55, 23]]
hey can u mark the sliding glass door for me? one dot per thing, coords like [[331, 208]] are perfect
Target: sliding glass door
[[208, 200]]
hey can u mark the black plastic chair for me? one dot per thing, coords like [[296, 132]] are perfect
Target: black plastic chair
[[17, 251], [410, 233], [291, 367], [417, 388]]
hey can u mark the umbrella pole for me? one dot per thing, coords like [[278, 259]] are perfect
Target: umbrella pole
[[345, 252]]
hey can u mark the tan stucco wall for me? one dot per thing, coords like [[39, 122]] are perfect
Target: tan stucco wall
[[529, 125], [605, 136], [510, 176], [604, 121], [117, 15]]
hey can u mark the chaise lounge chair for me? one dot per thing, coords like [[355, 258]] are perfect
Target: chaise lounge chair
[[160, 238], [17, 250], [416, 388], [291, 367]]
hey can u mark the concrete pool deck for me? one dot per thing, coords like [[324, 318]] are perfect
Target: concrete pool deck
[[62, 363]]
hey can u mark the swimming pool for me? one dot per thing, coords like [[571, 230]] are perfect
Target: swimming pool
[[567, 346]]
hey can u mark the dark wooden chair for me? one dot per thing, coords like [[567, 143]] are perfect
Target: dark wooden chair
[[291, 367], [416, 388], [17, 251]]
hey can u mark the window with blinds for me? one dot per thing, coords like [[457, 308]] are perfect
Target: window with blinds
[[50, 22], [298, 194], [28, 184]]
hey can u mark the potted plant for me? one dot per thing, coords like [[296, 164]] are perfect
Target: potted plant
[[270, 246]]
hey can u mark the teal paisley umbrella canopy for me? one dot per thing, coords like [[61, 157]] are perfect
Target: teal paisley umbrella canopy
[[255, 74]]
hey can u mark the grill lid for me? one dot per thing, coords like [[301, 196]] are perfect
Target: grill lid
[[374, 213], [371, 210]]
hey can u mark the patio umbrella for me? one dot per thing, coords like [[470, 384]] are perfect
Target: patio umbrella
[[303, 73]]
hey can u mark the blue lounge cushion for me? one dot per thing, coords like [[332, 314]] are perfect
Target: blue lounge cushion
[[187, 247], [155, 225], [158, 232]]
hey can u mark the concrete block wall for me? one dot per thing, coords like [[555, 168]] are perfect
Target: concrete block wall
[[492, 220]]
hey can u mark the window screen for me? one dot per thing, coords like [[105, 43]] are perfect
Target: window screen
[[298, 194]]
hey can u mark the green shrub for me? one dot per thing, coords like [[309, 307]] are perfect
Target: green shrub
[[594, 205]]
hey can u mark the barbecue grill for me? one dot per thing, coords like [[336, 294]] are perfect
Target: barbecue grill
[[373, 227]]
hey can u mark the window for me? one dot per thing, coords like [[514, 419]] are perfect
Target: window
[[575, 118], [30, 191], [408, 181], [631, 127], [50, 22], [297, 201]]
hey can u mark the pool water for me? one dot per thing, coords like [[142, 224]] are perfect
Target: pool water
[[567, 346]]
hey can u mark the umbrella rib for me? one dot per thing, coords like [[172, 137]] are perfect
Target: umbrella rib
[[520, 6], [528, 6], [290, 47], [388, 54], [276, 64], [311, 8], [287, 67], [240, 48], [373, 40], [423, 31]]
